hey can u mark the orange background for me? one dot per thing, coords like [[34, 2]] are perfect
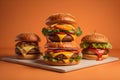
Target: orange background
[[18, 16]]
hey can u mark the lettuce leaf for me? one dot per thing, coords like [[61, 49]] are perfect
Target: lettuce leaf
[[78, 31], [55, 60], [102, 45], [46, 31], [84, 45], [96, 45]]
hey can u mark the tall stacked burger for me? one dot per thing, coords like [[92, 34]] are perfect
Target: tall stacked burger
[[95, 46], [61, 32], [27, 46]]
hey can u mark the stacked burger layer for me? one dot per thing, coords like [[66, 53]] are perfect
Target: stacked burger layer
[[27, 46], [61, 32], [95, 46]]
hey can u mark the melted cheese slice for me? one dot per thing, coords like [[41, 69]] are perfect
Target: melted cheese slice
[[74, 36], [63, 26], [61, 36], [67, 54], [25, 49], [66, 60]]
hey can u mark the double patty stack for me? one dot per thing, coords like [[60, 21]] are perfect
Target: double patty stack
[[61, 34], [27, 46]]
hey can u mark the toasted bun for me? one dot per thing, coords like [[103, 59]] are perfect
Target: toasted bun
[[27, 37], [63, 45], [60, 18], [94, 57], [35, 56], [95, 37], [60, 63]]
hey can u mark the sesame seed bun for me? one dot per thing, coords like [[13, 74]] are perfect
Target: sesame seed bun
[[60, 18], [95, 37]]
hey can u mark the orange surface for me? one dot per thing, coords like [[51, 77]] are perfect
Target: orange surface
[[18, 16], [109, 71]]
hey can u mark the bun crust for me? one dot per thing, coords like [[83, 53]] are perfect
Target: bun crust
[[28, 56], [95, 37], [94, 57], [63, 45], [27, 37], [61, 18], [60, 63]]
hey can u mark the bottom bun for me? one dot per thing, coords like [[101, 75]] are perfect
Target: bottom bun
[[27, 56], [59, 63], [94, 57]]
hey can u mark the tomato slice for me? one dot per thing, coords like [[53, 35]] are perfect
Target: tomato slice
[[99, 52]]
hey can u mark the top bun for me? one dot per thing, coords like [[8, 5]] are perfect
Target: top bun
[[61, 18], [27, 37], [95, 37]]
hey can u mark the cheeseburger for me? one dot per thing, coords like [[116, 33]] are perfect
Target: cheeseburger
[[27, 46], [95, 46], [61, 32]]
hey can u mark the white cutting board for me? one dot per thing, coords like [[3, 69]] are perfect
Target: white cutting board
[[83, 64]]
